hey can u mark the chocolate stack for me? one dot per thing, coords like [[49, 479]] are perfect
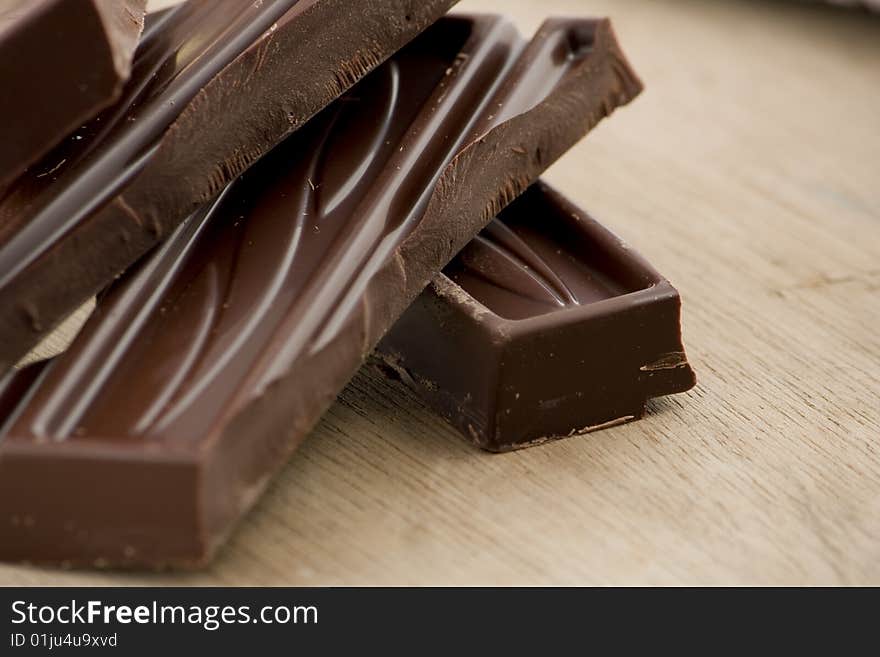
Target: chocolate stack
[[258, 194]]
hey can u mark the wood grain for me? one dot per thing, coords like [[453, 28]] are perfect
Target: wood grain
[[749, 174]]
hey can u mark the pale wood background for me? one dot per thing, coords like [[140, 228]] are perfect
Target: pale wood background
[[749, 173]]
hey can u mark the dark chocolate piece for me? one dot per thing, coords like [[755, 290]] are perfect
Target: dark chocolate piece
[[546, 325], [203, 369], [61, 62], [215, 85]]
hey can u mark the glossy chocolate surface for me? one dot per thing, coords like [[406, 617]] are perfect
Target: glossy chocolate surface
[[178, 54], [521, 269], [544, 326], [280, 248], [60, 63], [215, 84], [216, 355]]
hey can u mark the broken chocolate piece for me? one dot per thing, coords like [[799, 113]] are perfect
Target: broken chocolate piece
[[215, 85], [546, 325], [61, 62], [203, 369]]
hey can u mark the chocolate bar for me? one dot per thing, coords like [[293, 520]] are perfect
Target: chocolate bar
[[61, 62], [546, 325], [203, 369], [215, 85]]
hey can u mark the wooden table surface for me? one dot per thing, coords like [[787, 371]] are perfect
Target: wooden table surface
[[749, 174]]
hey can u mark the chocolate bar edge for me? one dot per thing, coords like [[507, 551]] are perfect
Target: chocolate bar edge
[[472, 189], [167, 191], [92, 98], [495, 190], [669, 374]]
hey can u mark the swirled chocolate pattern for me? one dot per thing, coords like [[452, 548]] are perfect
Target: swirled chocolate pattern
[[543, 327], [212, 359], [178, 54], [520, 269], [60, 64], [215, 85]]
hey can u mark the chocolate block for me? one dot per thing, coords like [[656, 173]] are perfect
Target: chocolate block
[[215, 85], [544, 326], [61, 62], [202, 370]]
